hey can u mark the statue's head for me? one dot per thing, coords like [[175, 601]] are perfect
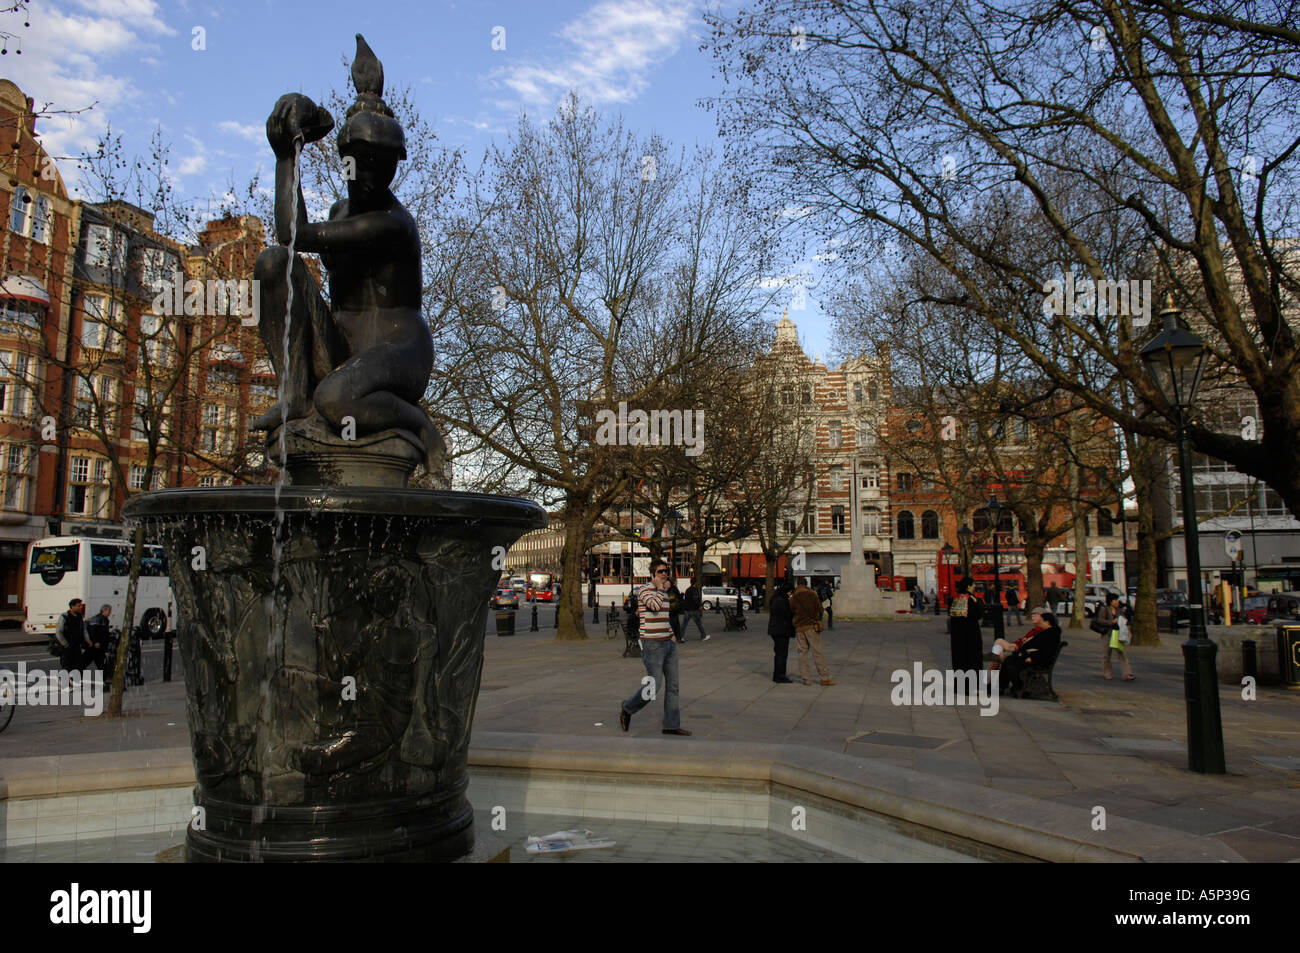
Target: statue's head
[[371, 134]]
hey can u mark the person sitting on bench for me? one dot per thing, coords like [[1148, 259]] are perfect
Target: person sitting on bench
[[1036, 647]]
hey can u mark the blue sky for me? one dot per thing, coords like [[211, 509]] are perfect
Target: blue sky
[[136, 59]]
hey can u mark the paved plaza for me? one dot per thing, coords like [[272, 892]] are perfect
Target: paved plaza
[[1112, 744]]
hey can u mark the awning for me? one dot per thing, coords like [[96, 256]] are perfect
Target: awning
[[25, 288]]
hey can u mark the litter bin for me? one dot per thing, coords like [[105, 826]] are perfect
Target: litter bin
[[1166, 620], [505, 623], [1288, 655]]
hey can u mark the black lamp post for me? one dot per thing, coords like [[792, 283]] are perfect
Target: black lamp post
[[993, 510], [1175, 359], [964, 536]]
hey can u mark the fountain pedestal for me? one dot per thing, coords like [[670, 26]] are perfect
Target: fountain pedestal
[[332, 654]]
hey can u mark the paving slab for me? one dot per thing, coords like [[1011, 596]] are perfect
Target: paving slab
[[1120, 745]]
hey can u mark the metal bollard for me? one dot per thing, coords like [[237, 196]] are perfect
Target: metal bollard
[[595, 612], [168, 639], [1249, 659], [532, 625]]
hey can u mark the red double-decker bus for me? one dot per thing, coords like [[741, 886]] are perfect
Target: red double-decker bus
[[541, 587], [1010, 573]]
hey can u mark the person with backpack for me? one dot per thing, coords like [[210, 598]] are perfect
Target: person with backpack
[[70, 634], [964, 630]]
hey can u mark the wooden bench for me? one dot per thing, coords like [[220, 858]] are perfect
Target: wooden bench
[[733, 619], [1036, 677]]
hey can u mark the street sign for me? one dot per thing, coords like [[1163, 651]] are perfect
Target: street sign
[[1232, 544]]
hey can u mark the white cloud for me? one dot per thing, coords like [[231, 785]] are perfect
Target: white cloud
[[66, 60], [192, 165], [248, 130], [612, 48]]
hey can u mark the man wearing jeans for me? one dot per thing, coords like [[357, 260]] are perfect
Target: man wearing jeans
[[691, 602], [658, 652]]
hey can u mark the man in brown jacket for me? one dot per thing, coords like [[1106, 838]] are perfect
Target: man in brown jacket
[[807, 611]]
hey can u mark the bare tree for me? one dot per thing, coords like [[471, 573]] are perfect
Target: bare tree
[[599, 267], [891, 120]]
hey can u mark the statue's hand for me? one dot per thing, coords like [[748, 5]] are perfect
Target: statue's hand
[[296, 116]]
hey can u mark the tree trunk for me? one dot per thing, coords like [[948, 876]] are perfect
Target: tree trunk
[[114, 709], [1145, 631], [1034, 546], [573, 622]]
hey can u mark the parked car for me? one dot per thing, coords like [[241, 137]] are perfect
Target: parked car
[[1283, 607], [505, 598], [722, 596], [1094, 597], [1254, 609], [1175, 600]]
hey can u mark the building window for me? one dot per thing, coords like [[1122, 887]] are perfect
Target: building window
[[137, 477], [929, 525], [87, 497], [871, 521], [805, 394], [906, 525], [159, 481], [105, 248], [220, 378], [809, 520], [870, 476], [16, 378], [16, 315], [906, 482], [787, 394], [1105, 526], [836, 435], [156, 333], [157, 269], [872, 392], [837, 478], [19, 210], [207, 481], [927, 481], [837, 520], [16, 458], [789, 525], [100, 323], [858, 396]]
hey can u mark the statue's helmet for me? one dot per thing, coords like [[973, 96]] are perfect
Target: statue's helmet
[[369, 119]]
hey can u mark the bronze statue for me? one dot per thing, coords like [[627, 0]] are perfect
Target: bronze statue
[[368, 353]]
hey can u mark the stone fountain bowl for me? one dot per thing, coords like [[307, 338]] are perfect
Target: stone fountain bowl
[[332, 643]]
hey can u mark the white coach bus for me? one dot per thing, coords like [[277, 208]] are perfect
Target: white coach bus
[[96, 571]]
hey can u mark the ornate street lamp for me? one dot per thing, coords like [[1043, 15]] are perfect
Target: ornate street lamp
[[1175, 360], [993, 510]]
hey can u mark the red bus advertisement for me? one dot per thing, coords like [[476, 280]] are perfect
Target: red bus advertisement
[[1012, 573], [541, 587]]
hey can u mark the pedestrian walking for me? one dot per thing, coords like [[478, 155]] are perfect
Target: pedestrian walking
[[70, 633], [806, 612], [827, 596], [1107, 625], [692, 599], [97, 636], [658, 653], [780, 626], [674, 610], [964, 629], [1013, 605]]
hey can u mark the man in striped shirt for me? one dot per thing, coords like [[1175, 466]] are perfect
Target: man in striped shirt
[[658, 652]]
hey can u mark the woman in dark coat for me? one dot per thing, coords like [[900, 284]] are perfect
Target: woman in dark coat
[[964, 630], [780, 626]]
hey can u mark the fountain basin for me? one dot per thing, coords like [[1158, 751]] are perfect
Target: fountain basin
[[332, 641]]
